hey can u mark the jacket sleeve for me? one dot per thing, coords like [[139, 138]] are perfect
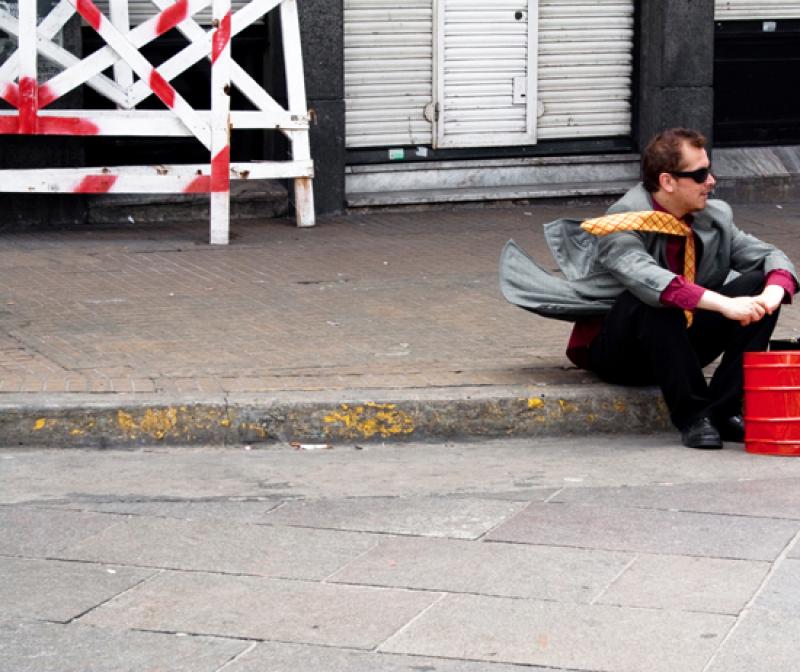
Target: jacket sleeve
[[749, 253], [625, 256]]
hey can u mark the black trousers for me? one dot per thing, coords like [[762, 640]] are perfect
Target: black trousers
[[644, 345]]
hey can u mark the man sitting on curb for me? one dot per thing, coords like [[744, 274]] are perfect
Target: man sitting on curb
[[652, 294]]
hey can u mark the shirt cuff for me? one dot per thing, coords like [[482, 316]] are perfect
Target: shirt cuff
[[680, 293], [783, 279]]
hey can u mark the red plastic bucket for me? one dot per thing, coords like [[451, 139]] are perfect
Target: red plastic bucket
[[772, 402]]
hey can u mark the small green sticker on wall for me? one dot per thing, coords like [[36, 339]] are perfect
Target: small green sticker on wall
[[397, 154]]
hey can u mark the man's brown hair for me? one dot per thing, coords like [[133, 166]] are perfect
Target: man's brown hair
[[663, 154]]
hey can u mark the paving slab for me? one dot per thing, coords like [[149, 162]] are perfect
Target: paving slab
[[648, 531], [763, 642], [232, 509], [529, 632], [217, 546], [533, 468], [27, 646], [710, 585], [101, 480], [512, 570], [461, 518], [33, 531], [58, 476], [770, 498], [781, 594], [60, 591], [149, 474], [258, 608], [278, 657]]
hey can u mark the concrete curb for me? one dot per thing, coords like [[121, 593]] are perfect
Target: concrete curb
[[354, 416]]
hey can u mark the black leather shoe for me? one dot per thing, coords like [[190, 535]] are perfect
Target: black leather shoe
[[701, 434], [732, 429]]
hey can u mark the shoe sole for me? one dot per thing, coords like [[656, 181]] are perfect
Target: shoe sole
[[708, 446]]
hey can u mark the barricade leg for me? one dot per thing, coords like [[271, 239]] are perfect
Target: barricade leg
[[220, 124], [304, 201], [296, 94]]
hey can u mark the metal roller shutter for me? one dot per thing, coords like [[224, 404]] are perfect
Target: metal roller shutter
[[388, 72], [584, 71], [728, 10], [585, 68], [484, 54]]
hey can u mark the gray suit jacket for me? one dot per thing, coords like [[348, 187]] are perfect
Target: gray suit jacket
[[597, 269]]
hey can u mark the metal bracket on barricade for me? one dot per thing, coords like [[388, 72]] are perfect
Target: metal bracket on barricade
[[20, 87]]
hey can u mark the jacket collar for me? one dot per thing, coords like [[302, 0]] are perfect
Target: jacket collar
[[639, 198]]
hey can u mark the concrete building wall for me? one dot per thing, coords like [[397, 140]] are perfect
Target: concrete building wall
[[322, 34], [676, 66]]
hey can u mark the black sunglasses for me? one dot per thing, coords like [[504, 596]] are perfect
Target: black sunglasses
[[700, 175]]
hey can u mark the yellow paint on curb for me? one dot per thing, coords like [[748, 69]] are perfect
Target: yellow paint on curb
[[255, 428], [156, 423], [567, 407], [367, 420], [535, 402], [39, 424], [126, 423]]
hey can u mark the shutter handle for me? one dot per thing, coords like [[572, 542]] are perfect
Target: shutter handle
[[431, 112]]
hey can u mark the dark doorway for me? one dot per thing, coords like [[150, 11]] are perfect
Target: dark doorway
[[757, 82]]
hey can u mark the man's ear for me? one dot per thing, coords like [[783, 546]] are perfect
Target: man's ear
[[666, 182]]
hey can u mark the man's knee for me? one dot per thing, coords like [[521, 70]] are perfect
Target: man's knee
[[746, 284]]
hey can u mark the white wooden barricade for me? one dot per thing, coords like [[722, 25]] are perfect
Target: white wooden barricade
[[135, 79]]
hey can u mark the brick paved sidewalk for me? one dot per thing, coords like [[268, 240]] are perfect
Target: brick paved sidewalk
[[384, 301], [388, 301]]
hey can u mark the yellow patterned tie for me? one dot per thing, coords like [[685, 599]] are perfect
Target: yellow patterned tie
[[658, 222]]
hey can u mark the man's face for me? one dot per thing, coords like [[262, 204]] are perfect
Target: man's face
[[688, 194]]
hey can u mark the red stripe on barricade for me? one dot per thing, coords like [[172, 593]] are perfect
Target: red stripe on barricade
[[162, 88], [222, 35], [88, 10], [51, 126], [9, 125], [67, 126], [95, 184], [46, 96], [199, 185], [28, 106], [221, 171], [10, 94], [172, 16]]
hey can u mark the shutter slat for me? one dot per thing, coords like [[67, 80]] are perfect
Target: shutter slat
[[731, 10]]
